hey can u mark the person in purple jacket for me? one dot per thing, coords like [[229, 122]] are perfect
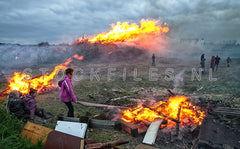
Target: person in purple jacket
[[66, 94], [31, 105]]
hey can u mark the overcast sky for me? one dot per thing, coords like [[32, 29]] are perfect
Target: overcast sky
[[57, 21]]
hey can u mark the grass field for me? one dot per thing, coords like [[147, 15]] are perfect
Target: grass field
[[225, 90]]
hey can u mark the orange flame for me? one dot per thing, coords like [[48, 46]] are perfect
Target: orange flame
[[125, 32], [78, 57], [22, 82], [170, 108]]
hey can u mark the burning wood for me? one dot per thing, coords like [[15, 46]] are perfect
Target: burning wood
[[169, 110], [165, 116]]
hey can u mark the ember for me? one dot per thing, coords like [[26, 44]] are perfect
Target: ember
[[125, 32], [168, 108]]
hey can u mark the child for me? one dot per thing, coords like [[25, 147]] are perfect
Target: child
[[66, 94], [31, 105]]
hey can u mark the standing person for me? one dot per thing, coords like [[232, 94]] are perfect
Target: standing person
[[153, 60], [66, 94], [228, 61], [217, 59], [212, 63], [202, 63], [31, 105]]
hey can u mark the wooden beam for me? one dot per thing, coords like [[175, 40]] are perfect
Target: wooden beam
[[152, 131], [88, 104], [130, 128]]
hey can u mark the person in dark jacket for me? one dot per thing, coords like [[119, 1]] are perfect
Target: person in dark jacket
[[217, 59], [67, 94], [153, 60], [202, 63], [15, 104], [31, 105]]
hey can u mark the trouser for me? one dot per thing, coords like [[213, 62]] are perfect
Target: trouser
[[228, 64], [70, 109], [216, 66], [153, 63]]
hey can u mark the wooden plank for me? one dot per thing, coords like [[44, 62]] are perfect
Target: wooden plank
[[35, 132], [88, 104], [143, 146], [152, 131]]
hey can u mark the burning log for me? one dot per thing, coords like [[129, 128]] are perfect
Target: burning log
[[168, 117], [105, 145], [151, 134], [40, 89]]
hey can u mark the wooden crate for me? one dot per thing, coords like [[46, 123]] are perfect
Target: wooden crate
[[35, 132]]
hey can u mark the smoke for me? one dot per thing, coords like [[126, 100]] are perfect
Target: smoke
[[150, 43], [23, 56], [178, 82]]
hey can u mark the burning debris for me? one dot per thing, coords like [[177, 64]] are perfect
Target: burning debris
[[169, 110], [149, 35], [124, 32], [23, 82]]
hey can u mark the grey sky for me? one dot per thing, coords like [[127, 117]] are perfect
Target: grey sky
[[57, 21]]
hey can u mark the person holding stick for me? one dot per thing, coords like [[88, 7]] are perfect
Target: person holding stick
[[67, 94]]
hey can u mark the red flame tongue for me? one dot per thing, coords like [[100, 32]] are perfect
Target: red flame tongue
[[169, 108]]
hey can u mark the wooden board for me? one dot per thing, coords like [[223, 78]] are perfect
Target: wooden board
[[35, 132], [152, 131]]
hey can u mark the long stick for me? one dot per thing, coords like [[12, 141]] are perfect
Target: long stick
[[171, 118], [88, 104], [171, 92]]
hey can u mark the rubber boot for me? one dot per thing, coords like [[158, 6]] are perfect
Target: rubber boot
[[45, 114]]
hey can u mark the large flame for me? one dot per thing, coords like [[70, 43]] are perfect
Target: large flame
[[189, 113], [22, 82], [128, 32]]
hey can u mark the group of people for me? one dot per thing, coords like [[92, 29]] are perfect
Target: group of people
[[24, 108], [213, 63]]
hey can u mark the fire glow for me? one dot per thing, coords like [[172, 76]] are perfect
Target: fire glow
[[189, 113], [124, 32], [22, 82]]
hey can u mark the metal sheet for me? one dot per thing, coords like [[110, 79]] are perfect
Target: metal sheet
[[72, 128]]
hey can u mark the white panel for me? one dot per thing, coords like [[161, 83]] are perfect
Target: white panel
[[72, 128]]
